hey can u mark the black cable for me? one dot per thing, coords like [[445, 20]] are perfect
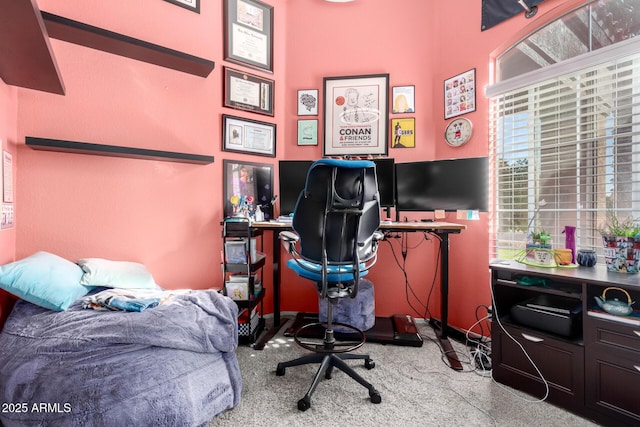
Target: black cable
[[409, 291]]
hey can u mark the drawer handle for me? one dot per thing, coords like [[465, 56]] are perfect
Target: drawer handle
[[532, 338], [637, 333], [637, 367]]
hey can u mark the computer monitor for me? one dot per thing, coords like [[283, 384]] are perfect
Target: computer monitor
[[449, 185], [386, 173], [293, 174], [292, 177]]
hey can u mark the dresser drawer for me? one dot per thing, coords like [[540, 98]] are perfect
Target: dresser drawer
[[611, 384], [612, 334], [560, 362]]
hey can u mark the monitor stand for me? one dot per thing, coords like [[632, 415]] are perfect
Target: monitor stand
[[398, 329]]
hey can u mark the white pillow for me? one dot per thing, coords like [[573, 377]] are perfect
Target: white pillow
[[115, 274]]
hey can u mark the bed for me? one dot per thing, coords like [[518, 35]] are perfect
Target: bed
[[171, 364]]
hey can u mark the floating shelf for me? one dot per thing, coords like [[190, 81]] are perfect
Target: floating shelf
[[86, 35], [26, 58], [114, 151]]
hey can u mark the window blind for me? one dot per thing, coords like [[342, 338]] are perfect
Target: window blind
[[563, 152]]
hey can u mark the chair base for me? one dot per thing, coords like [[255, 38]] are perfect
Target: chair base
[[327, 363]]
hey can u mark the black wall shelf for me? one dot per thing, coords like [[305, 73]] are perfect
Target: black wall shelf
[[86, 35], [114, 151], [26, 58]]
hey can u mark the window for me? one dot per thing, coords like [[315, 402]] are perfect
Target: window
[[564, 128]]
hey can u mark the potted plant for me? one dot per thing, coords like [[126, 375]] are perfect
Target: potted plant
[[621, 239]]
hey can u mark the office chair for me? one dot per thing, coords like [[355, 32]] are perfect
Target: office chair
[[335, 222]]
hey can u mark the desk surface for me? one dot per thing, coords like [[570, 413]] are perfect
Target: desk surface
[[386, 225]]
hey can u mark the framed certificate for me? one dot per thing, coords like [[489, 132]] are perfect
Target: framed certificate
[[245, 91], [248, 136], [248, 33], [192, 5]]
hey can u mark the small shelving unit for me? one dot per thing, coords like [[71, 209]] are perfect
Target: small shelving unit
[[240, 258]]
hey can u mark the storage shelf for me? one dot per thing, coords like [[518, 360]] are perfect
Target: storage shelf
[[251, 303], [86, 35], [257, 264], [564, 291], [114, 151]]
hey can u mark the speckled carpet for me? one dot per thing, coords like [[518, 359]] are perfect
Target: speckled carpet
[[416, 384]]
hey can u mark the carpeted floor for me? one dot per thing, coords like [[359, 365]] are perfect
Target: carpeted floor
[[417, 388]]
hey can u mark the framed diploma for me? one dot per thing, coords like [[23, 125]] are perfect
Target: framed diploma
[[192, 5], [247, 136], [356, 115], [248, 33], [245, 91]]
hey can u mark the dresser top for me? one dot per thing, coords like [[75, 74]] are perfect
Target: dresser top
[[598, 274]]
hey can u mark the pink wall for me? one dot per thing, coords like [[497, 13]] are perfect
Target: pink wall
[[167, 215]]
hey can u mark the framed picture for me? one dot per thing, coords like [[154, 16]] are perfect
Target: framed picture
[[308, 102], [404, 99], [246, 185], [249, 92], [248, 33], [356, 115], [7, 176], [460, 94], [403, 133], [247, 136], [192, 5], [308, 132]]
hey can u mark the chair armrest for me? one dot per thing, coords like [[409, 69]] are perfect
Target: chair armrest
[[289, 240]]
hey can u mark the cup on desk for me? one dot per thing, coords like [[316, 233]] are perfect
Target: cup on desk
[[563, 256]]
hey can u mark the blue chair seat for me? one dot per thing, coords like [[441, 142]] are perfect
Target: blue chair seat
[[335, 273]]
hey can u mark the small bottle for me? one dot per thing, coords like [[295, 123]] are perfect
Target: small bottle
[[259, 215]]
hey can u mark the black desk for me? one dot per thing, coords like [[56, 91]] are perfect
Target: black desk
[[440, 229]]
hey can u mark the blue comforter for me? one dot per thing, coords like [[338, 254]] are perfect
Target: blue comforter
[[172, 365]]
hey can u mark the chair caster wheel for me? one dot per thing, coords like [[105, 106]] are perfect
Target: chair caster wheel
[[280, 371], [304, 404], [369, 364], [375, 396]]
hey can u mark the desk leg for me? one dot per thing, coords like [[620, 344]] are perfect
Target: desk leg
[[276, 280], [447, 348], [276, 295]]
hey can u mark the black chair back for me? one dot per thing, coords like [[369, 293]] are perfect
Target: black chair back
[[338, 211]]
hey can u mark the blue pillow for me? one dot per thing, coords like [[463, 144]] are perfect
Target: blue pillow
[[44, 279], [116, 274]]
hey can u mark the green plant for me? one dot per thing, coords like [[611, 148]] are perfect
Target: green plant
[[615, 226]]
